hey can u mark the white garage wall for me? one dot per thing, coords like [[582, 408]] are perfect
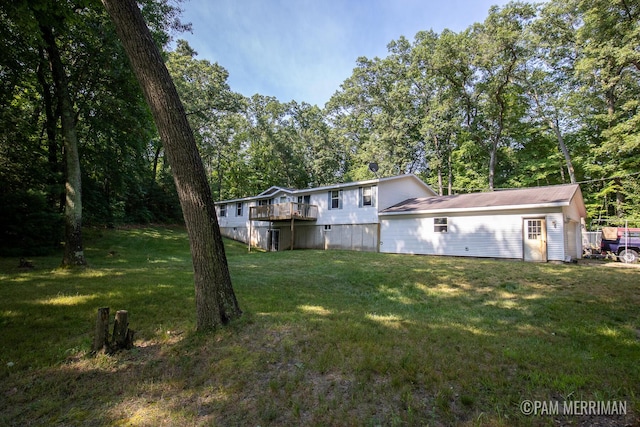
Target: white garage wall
[[492, 236]]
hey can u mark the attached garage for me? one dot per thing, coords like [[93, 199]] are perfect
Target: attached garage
[[532, 224]]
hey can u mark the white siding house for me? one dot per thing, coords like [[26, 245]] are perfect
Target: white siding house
[[402, 214], [534, 224], [344, 216]]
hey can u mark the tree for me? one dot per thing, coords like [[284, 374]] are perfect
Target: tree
[[609, 63], [376, 116], [501, 52], [210, 107], [549, 78], [73, 248], [437, 99], [216, 303]]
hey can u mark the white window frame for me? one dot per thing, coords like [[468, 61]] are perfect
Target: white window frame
[[441, 225], [337, 198], [367, 200]]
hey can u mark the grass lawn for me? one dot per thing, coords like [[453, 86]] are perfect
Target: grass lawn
[[327, 338]]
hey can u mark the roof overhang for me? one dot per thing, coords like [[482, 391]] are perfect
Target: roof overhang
[[476, 209]]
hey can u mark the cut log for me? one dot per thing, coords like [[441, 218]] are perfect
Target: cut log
[[121, 336], [101, 338]]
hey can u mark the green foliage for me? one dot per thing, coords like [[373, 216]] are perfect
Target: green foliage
[[28, 225], [534, 95]]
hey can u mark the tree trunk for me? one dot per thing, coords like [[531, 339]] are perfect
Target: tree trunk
[[216, 303], [122, 335], [493, 155], [49, 127], [555, 127], [73, 249], [101, 337], [440, 163], [450, 169], [565, 151]]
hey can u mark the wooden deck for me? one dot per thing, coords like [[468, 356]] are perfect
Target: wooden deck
[[284, 212]]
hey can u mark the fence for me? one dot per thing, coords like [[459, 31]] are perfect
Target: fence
[[591, 239]]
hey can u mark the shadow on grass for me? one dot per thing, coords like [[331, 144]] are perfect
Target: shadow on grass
[[329, 338]]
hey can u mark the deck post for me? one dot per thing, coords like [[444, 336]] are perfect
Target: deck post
[[249, 239], [291, 212]]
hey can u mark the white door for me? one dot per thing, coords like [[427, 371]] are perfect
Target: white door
[[535, 239]]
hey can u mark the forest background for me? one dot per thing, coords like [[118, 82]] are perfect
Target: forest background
[[537, 94]]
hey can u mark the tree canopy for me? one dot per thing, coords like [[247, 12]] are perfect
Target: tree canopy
[[536, 94]]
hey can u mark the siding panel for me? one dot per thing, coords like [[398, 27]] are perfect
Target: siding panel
[[494, 236]]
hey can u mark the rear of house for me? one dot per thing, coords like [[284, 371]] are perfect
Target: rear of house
[[345, 216], [402, 214], [533, 224]]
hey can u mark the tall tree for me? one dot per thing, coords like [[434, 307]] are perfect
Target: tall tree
[[501, 52], [216, 303], [210, 105], [322, 157], [50, 22], [548, 78], [609, 65], [438, 101]]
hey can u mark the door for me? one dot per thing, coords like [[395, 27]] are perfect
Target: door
[[274, 239], [535, 239]]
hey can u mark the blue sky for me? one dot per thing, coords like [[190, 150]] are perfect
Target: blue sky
[[303, 50]]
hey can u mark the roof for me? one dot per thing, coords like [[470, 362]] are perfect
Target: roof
[[275, 189], [552, 196]]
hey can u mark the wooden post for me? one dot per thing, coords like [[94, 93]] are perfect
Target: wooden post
[[101, 339], [292, 212], [249, 239]]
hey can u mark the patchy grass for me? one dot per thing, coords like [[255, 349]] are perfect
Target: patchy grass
[[327, 338]]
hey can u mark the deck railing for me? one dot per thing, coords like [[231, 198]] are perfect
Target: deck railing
[[284, 211]]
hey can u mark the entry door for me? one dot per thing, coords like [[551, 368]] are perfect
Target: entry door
[[274, 239], [535, 239]]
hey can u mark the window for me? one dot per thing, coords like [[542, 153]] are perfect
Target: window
[[239, 209], [223, 210], [534, 229], [305, 199], [367, 196], [327, 227], [440, 225], [335, 199]]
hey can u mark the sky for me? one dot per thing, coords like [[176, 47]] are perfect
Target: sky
[[303, 50]]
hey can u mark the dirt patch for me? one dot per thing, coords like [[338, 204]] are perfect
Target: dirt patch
[[607, 264]]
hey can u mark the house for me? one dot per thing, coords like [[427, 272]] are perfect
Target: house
[[533, 224], [402, 214], [339, 216]]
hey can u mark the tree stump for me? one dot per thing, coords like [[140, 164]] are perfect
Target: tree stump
[[122, 335], [101, 338]]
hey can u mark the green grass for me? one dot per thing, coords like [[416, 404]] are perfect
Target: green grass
[[327, 338]]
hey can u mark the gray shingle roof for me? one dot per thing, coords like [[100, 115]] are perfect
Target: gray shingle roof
[[557, 195]]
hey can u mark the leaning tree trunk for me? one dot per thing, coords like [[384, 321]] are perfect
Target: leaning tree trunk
[[73, 249], [215, 300]]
